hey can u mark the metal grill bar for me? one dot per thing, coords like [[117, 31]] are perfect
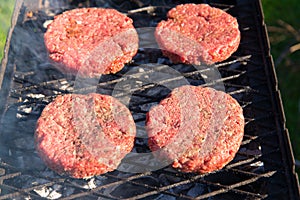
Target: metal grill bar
[[255, 173], [82, 194]]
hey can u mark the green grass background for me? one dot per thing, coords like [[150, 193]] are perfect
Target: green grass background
[[6, 9], [288, 70]]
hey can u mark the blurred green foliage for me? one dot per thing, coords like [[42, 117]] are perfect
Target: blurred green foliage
[[6, 9], [282, 19]]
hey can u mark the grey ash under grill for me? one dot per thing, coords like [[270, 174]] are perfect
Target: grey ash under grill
[[262, 169]]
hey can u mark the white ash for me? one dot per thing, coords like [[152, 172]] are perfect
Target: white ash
[[57, 191], [65, 85], [140, 70], [43, 192], [19, 116], [54, 195], [49, 192], [204, 76], [24, 108], [46, 23], [257, 164], [27, 108], [36, 96], [91, 184]]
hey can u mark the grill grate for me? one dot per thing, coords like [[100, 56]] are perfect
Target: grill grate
[[262, 169]]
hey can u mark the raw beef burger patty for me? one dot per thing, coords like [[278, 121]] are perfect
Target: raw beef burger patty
[[196, 129], [91, 41], [84, 135], [196, 34]]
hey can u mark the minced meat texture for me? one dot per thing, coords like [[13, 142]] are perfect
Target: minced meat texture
[[198, 33], [84, 135], [198, 129], [91, 41]]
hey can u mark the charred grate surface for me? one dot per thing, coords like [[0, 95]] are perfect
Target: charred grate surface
[[262, 169]]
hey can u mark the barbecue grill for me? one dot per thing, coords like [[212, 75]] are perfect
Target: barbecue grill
[[262, 169]]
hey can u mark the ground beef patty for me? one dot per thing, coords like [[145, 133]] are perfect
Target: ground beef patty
[[92, 41], [197, 129], [196, 34], [84, 135]]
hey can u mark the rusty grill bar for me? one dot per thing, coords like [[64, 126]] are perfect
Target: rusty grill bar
[[262, 169]]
